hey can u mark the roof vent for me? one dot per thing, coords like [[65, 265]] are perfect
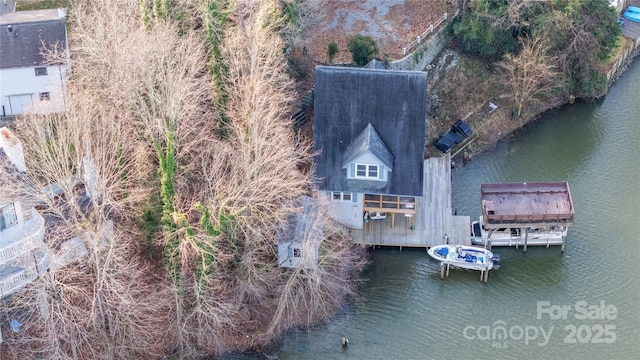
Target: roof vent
[[9, 28]]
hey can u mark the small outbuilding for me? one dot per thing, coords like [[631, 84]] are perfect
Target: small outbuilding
[[300, 240]]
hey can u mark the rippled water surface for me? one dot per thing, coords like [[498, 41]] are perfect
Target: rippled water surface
[[407, 312]]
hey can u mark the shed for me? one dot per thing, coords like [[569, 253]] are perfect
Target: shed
[[300, 240]]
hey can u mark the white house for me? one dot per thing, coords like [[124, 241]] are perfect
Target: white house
[[23, 254], [29, 81]]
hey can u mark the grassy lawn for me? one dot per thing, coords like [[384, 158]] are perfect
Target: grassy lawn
[[22, 5]]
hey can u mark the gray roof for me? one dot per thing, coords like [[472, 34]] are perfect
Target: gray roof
[[376, 64], [23, 35], [7, 7], [393, 102], [305, 226], [368, 140]]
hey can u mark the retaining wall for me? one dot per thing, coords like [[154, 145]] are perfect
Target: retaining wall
[[424, 53]]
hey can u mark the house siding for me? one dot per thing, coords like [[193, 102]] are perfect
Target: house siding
[[369, 159], [23, 81], [348, 213]]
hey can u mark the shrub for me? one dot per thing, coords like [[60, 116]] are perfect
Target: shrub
[[363, 49], [332, 50]]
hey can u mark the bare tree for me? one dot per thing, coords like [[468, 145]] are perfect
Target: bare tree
[[530, 75], [517, 12], [140, 126], [313, 293], [128, 86]]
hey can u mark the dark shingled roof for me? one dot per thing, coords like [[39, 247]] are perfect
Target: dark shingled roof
[[368, 140], [376, 64], [7, 7], [24, 33], [394, 102]]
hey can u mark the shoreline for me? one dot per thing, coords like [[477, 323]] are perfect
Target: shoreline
[[502, 125], [533, 115]]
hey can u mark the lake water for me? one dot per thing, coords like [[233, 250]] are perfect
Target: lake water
[[406, 311]]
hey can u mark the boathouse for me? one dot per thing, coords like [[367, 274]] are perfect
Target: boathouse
[[527, 209]]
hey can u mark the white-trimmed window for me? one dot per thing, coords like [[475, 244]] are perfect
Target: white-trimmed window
[[45, 96], [7, 216], [340, 196], [367, 171]]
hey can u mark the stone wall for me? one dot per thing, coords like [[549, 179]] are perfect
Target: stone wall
[[424, 54], [626, 58]]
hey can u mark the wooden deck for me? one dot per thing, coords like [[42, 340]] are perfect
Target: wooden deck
[[433, 223]]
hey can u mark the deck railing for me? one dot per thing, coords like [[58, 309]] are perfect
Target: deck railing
[[426, 34], [14, 282], [22, 237], [23, 254]]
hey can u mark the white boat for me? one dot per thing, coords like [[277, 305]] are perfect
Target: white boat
[[515, 236], [465, 257]]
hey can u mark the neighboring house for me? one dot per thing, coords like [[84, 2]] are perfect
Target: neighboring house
[[28, 81], [369, 132], [23, 254]]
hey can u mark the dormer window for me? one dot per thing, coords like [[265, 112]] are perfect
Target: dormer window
[[368, 158], [367, 171]]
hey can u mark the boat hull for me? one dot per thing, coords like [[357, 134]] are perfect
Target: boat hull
[[514, 237], [462, 256]]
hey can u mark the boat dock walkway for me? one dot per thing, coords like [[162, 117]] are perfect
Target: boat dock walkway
[[433, 223]]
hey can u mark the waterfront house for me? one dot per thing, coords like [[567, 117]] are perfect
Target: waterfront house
[[29, 81], [369, 136], [23, 254]]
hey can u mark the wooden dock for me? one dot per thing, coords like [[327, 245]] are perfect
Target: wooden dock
[[433, 223]]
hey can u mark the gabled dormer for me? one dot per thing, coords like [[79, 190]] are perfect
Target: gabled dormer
[[368, 158]]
